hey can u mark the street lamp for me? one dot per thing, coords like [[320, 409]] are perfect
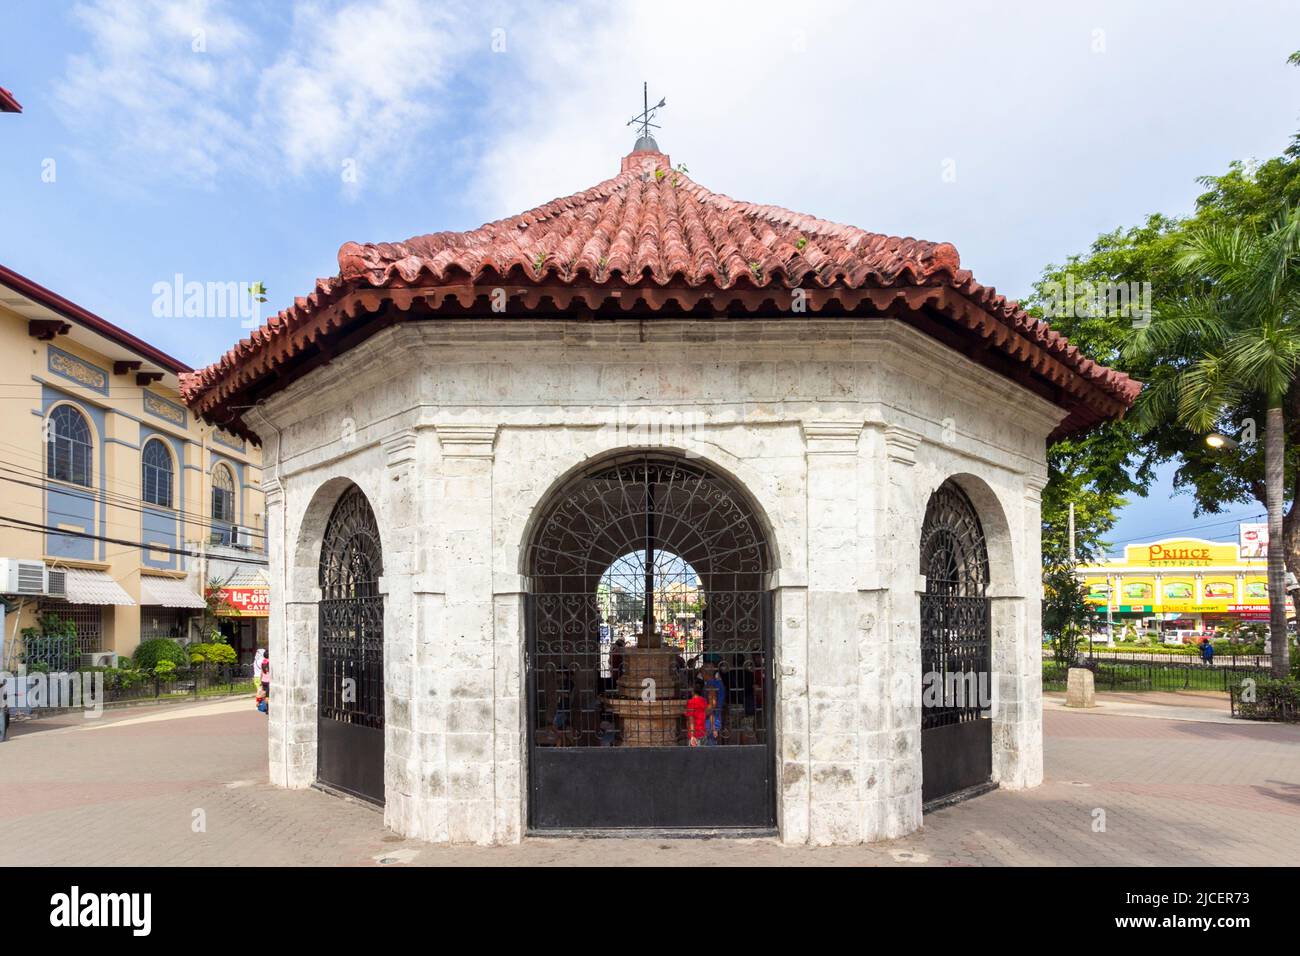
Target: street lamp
[[1216, 440]]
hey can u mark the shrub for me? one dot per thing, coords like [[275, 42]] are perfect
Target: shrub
[[212, 654], [150, 653], [164, 670], [1273, 699]]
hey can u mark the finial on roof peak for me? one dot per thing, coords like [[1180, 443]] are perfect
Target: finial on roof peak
[[645, 141]]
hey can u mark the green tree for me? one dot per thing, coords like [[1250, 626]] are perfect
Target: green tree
[[1066, 612], [1232, 343], [1100, 471]]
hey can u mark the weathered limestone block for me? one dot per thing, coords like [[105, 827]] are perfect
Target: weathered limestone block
[[1079, 688]]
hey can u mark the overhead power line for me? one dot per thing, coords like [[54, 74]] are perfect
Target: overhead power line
[[18, 524]]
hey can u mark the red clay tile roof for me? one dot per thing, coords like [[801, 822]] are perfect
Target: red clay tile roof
[[683, 250], [7, 102]]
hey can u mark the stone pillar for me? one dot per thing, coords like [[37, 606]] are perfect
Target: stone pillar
[[509, 732], [289, 686], [465, 653], [835, 798], [1017, 653], [790, 609], [900, 563], [397, 512]]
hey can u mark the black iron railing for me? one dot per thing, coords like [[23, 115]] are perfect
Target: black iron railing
[[1121, 672], [122, 686]]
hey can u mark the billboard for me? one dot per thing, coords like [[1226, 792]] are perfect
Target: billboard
[[1252, 540]]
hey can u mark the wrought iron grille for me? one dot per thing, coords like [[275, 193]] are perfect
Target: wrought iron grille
[[648, 579], [87, 618], [956, 653], [352, 615]]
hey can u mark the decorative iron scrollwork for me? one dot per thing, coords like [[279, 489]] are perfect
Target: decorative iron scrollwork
[[648, 552], [956, 654], [351, 614]]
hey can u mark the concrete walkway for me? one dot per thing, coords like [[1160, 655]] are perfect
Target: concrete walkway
[[190, 788], [1205, 707]]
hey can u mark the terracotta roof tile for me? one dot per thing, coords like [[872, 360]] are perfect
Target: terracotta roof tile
[[652, 227]]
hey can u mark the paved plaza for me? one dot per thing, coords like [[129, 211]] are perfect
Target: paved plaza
[[133, 787]]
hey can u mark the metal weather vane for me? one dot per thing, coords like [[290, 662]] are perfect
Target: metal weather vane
[[647, 113]]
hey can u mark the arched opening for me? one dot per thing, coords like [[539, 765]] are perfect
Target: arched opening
[[649, 651], [350, 705], [68, 447], [956, 648], [222, 510], [156, 473]]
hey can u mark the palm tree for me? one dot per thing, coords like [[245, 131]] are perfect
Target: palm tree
[[1235, 340]]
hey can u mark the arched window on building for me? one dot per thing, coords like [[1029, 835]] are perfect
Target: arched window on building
[[156, 473], [68, 446], [223, 495]]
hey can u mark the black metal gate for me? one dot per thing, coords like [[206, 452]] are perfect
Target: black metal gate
[[350, 716], [956, 649], [649, 653]]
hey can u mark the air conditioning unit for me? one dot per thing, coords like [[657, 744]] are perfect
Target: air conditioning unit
[[99, 659], [241, 537], [23, 577], [57, 583]]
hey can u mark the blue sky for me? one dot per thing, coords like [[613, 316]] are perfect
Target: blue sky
[[216, 139]]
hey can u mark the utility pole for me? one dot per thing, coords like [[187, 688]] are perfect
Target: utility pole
[[1073, 559], [1074, 565]]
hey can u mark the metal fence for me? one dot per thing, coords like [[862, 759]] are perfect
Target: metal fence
[[1265, 700], [122, 686], [202, 681], [1118, 672]]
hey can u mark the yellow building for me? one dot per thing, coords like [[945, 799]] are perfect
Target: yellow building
[[1182, 583], [112, 495]]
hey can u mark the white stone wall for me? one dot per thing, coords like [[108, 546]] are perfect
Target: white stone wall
[[456, 430]]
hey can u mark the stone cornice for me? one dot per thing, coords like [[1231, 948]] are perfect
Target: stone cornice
[[463, 440], [901, 444], [832, 437], [399, 447]]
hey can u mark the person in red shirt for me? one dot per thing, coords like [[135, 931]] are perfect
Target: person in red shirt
[[696, 708]]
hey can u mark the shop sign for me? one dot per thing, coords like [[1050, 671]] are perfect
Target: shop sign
[[246, 602]]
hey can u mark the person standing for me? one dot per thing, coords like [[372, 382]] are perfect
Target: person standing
[[266, 676], [257, 665], [696, 709], [716, 689]]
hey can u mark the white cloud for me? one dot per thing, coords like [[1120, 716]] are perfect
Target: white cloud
[[156, 102], [359, 82], [849, 110], [356, 82]]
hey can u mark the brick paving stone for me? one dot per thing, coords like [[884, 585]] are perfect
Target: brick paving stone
[[1172, 793]]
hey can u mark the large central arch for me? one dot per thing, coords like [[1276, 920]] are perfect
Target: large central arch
[[648, 587]]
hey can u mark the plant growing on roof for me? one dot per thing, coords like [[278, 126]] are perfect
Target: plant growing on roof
[[540, 260], [800, 243]]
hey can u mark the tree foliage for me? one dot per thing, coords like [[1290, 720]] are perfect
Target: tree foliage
[[1104, 469]]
